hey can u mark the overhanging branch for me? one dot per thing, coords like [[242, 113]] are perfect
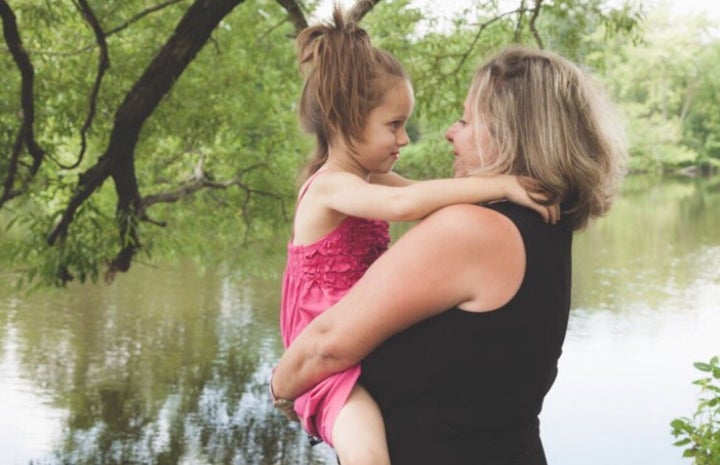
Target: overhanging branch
[[103, 64], [199, 181], [118, 160], [361, 8], [25, 137], [295, 14]]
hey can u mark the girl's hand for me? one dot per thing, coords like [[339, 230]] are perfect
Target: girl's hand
[[526, 191]]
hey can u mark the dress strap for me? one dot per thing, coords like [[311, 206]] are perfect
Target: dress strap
[[304, 189], [305, 186]]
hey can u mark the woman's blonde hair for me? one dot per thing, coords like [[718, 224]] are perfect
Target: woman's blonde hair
[[549, 120], [346, 77]]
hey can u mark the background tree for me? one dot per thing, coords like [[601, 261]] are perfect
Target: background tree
[[187, 108], [666, 87]]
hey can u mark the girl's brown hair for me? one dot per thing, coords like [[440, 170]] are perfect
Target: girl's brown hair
[[346, 77], [549, 120]]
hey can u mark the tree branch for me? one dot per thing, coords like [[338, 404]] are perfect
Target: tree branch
[[533, 18], [113, 31], [361, 8], [190, 35], [476, 39], [186, 190], [519, 23], [103, 65], [197, 182], [25, 136], [200, 180], [140, 16], [295, 14]]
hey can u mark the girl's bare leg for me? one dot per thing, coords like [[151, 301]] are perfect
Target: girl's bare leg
[[359, 431]]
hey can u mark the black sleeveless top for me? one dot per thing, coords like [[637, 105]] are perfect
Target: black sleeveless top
[[466, 388]]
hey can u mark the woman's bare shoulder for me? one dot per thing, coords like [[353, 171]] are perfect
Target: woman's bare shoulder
[[482, 248], [471, 223]]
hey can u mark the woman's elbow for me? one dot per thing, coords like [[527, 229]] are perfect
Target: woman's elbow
[[332, 357], [329, 353]]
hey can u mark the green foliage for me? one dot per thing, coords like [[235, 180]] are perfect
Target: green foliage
[[568, 26], [700, 435], [81, 254], [665, 86], [231, 119], [231, 115], [430, 158], [441, 57]]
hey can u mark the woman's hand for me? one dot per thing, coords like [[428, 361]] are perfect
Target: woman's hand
[[527, 192]]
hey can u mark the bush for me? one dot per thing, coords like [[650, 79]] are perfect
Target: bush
[[701, 434]]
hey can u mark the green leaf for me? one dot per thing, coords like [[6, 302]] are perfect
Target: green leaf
[[678, 423], [702, 366], [11, 223]]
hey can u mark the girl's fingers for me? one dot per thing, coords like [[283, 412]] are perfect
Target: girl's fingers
[[554, 213], [544, 212]]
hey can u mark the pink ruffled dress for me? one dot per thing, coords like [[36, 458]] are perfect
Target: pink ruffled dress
[[316, 276]]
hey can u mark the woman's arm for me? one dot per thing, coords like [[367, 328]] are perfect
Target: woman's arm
[[351, 195], [461, 255]]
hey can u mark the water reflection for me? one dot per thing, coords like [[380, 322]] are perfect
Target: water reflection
[[169, 366], [658, 240], [645, 306], [164, 367]]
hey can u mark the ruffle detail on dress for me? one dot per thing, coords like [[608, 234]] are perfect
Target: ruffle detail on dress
[[338, 260]]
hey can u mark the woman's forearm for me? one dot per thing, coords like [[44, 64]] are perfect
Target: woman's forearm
[[450, 262], [305, 363]]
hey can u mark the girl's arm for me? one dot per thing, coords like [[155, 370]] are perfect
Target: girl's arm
[[390, 179], [351, 195], [461, 255]]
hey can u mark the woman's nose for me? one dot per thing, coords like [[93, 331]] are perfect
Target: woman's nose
[[449, 133]]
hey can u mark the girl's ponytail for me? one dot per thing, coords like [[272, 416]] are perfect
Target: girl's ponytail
[[345, 78]]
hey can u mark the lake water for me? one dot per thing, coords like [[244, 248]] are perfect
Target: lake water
[[169, 366]]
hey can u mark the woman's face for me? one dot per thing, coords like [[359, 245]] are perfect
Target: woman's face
[[471, 143]]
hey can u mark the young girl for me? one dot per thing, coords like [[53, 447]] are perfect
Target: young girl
[[356, 101]]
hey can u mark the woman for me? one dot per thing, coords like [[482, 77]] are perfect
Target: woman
[[461, 322]]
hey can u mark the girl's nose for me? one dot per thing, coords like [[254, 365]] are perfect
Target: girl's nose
[[403, 138]]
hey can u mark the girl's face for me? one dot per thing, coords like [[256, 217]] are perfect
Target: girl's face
[[385, 132], [471, 143]]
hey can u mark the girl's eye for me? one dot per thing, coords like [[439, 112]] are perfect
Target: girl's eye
[[396, 124], [462, 122]]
